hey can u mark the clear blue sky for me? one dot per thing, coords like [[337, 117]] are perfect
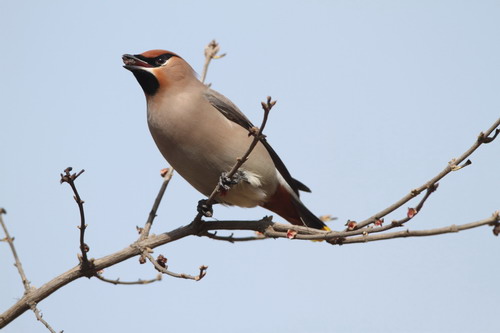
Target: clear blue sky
[[374, 98]]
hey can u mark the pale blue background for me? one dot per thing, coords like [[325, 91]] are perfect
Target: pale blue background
[[374, 98]]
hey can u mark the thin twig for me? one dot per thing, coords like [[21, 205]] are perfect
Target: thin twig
[[422, 233], [167, 175], [412, 212], [69, 178], [211, 51], [28, 289], [231, 238], [257, 133], [117, 281], [39, 317], [164, 269], [17, 263], [452, 166]]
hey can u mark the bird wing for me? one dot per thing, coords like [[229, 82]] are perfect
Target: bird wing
[[231, 112]]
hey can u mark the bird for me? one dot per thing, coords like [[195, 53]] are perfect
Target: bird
[[201, 133]]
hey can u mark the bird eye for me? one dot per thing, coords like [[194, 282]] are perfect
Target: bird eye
[[160, 60]]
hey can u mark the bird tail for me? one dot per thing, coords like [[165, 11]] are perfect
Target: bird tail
[[307, 217], [289, 206]]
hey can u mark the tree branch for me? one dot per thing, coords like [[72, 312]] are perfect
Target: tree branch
[[211, 51], [231, 238], [17, 263], [117, 281], [69, 178], [265, 226], [27, 286], [39, 317], [160, 265], [166, 175], [453, 165]]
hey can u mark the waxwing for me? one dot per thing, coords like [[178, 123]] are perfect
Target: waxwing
[[201, 133]]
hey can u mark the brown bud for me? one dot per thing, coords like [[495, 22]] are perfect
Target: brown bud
[[290, 234], [411, 212], [351, 225]]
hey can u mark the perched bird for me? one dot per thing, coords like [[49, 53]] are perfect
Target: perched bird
[[201, 133]]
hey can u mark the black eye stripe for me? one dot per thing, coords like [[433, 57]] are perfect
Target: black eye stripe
[[156, 61]]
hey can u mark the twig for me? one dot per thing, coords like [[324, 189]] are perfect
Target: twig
[[167, 175], [117, 281], [231, 238], [494, 219], [18, 264], [257, 133], [398, 223], [39, 317], [452, 166], [163, 268], [69, 178], [28, 289], [211, 51]]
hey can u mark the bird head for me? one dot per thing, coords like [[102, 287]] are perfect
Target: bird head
[[156, 69]]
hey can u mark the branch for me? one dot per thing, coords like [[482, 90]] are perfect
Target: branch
[[232, 239], [265, 226], [39, 317], [27, 287], [396, 223], [453, 165], [494, 220], [117, 281], [160, 265], [257, 133], [211, 51], [167, 175], [18, 264], [69, 178]]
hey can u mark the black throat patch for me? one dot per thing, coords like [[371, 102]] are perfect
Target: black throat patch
[[148, 81]]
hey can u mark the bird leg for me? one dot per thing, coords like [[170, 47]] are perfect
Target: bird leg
[[204, 208], [226, 182]]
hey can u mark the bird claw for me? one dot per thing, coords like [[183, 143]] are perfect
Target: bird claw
[[226, 182], [204, 209]]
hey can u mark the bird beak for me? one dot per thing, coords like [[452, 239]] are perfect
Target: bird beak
[[133, 63]]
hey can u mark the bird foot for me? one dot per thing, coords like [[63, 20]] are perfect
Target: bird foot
[[205, 209], [226, 182]]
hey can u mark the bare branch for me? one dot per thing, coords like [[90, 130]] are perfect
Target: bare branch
[[160, 265], [270, 229], [69, 178], [482, 138], [117, 281], [265, 226], [17, 263], [167, 175], [493, 220], [28, 289], [231, 238], [211, 51], [39, 317]]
